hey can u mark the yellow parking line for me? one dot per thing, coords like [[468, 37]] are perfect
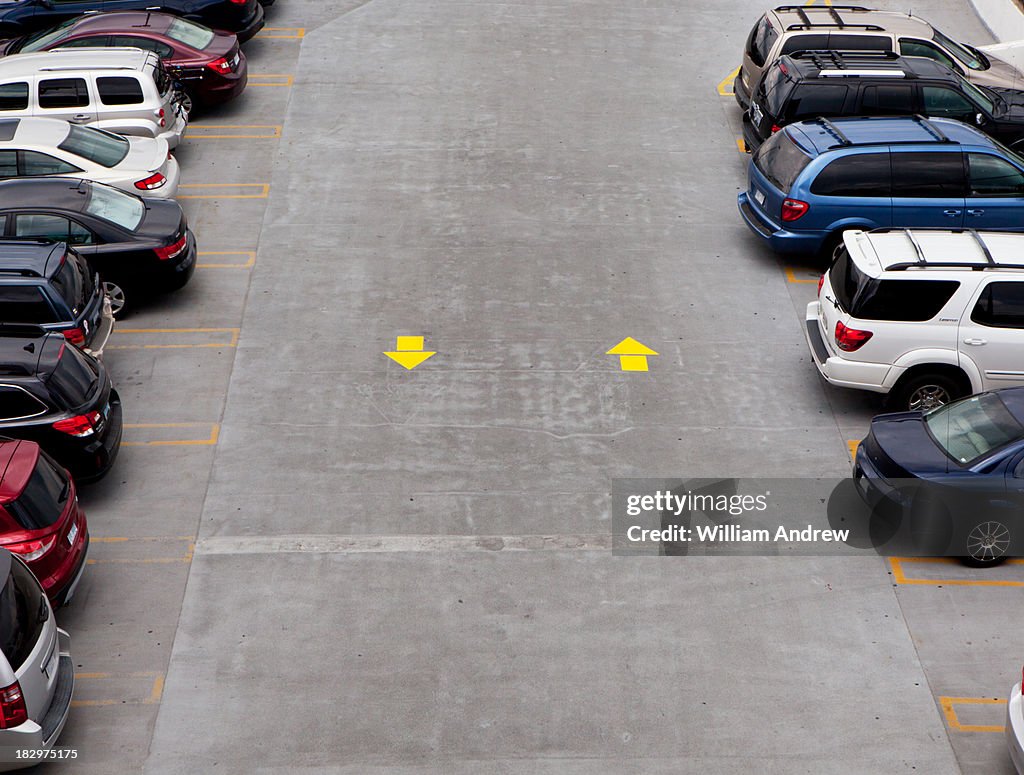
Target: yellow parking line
[[792, 277], [740, 145], [211, 440], [282, 33], [263, 191], [949, 710], [250, 256], [153, 698], [851, 445], [234, 131], [725, 86], [232, 339], [900, 577], [271, 79]]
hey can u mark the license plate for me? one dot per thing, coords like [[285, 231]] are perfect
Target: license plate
[[755, 114], [51, 665], [73, 534], [759, 197]]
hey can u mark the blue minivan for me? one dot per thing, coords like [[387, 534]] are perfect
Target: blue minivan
[[811, 180]]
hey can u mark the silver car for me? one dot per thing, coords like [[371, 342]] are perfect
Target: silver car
[[37, 675]]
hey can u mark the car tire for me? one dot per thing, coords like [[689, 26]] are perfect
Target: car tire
[[925, 391], [118, 299], [987, 545]]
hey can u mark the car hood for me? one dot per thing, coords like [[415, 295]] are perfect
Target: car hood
[[906, 447], [1014, 102], [1007, 63]]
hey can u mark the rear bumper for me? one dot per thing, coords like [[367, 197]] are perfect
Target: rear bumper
[[837, 371], [780, 240], [254, 25], [61, 597], [750, 136], [740, 91], [1015, 729], [102, 334], [98, 458], [225, 87], [176, 131]]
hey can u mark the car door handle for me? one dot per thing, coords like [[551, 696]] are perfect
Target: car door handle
[[975, 341], [951, 213], [975, 212], [80, 117]]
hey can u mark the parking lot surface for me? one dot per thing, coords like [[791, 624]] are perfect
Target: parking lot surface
[[310, 559]]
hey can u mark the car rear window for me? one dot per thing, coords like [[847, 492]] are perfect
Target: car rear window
[[74, 283], [869, 298], [74, 379], [119, 90], [191, 34], [775, 88], [99, 147], [969, 429], [781, 160], [42, 501], [761, 40], [21, 620], [115, 206]]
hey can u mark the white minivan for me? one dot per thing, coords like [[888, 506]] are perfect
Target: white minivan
[[122, 90]]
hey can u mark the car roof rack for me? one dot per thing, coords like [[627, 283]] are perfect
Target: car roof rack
[[833, 11], [917, 246], [835, 131], [929, 127], [839, 57], [990, 262]]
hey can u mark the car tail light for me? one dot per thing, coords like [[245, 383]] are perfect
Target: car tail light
[[79, 425], [13, 712], [32, 550], [221, 66], [173, 250], [792, 209], [153, 181], [775, 128], [850, 339], [239, 2], [74, 335], [821, 282], [160, 113]]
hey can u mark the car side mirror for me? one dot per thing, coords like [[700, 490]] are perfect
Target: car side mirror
[[979, 119]]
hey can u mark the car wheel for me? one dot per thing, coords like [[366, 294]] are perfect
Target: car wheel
[[118, 300], [987, 545], [926, 392]]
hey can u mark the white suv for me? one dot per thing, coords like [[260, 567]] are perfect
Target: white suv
[[122, 90], [925, 316]]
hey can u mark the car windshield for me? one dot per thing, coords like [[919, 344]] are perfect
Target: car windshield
[[960, 51], [99, 147], [75, 377], [191, 34], [781, 160], [969, 429], [20, 622], [115, 206], [981, 97], [42, 39]]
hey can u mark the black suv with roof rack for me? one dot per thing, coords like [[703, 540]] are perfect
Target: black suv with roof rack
[[57, 396], [810, 84], [46, 283]]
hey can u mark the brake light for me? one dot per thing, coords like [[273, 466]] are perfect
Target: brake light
[[792, 209], [74, 335], [13, 712], [239, 2], [221, 66], [32, 550], [775, 128], [160, 113], [172, 250], [850, 339], [156, 180], [80, 425], [821, 282]]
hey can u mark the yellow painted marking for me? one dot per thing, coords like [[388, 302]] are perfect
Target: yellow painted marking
[[282, 33], [409, 351], [250, 259], [949, 710], [212, 439], [632, 354], [805, 276], [725, 85], [900, 577], [852, 444], [271, 79], [153, 698], [739, 145], [234, 131], [232, 336], [210, 191]]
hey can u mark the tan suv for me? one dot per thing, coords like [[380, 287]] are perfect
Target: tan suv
[[790, 28]]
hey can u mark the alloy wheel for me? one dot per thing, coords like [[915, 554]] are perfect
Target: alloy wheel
[[928, 397], [988, 541], [116, 294]]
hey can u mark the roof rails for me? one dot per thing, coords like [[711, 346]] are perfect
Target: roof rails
[[835, 131], [933, 130], [990, 262], [917, 246], [833, 11], [838, 57]]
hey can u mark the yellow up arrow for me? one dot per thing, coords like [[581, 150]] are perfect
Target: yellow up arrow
[[632, 354], [410, 352]]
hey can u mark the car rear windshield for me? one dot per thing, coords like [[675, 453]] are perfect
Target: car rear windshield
[[115, 206], [781, 160], [775, 88], [73, 280], [42, 501], [869, 298], [74, 379], [191, 34], [99, 147], [761, 40], [969, 429], [21, 615]]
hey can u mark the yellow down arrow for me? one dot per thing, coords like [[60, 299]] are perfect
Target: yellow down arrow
[[410, 352]]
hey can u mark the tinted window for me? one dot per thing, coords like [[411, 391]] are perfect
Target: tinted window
[[813, 100], [905, 300], [13, 96], [25, 304], [865, 174], [887, 100], [991, 176], [75, 378], [63, 93], [17, 404], [941, 102], [846, 279], [119, 90], [20, 622], [34, 163], [1000, 305], [160, 49], [191, 34], [761, 40], [70, 281], [52, 227], [42, 39], [98, 41], [918, 48], [859, 42], [927, 174], [100, 147], [971, 428], [775, 88], [817, 42], [780, 160], [42, 501], [8, 164]]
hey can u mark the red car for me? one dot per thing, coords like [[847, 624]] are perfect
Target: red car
[[40, 520], [209, 65]]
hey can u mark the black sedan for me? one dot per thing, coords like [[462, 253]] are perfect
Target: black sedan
[[138, 246], [242, 17]]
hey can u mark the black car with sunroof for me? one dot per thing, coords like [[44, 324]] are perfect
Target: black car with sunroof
[[139, 246], [54, 394]]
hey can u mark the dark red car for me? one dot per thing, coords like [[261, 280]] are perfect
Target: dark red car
[[40, 520], [209, 64]]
